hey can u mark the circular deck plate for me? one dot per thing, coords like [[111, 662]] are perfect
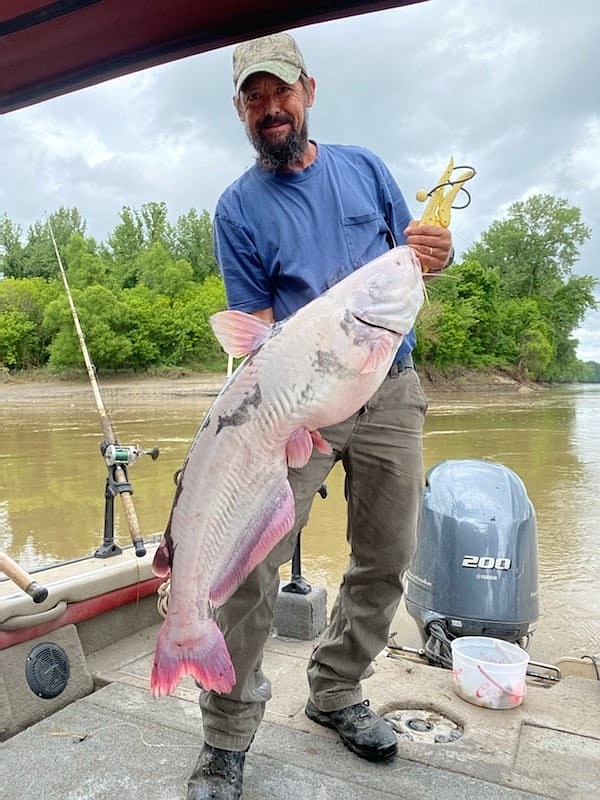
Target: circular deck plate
[[423, 725]]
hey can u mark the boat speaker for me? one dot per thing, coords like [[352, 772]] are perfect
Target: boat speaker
[[47, 670]]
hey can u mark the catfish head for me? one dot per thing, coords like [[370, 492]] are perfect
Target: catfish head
[[389, 291]]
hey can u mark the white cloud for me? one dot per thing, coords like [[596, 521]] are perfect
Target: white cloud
[[583, 160], [588, 337], [503, 85]]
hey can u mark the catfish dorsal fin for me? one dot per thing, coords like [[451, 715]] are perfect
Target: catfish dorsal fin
[[239, 333]]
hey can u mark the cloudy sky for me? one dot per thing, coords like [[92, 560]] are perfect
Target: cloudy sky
[[507, 86]]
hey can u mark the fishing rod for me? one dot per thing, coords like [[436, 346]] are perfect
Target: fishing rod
[[116, 456], [22, 579]]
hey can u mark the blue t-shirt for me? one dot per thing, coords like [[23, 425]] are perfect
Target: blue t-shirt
[[282, 239]]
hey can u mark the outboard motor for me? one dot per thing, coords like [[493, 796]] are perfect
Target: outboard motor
[[475, 568]]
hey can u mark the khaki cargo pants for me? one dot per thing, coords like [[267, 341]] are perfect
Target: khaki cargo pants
[[381, 450]]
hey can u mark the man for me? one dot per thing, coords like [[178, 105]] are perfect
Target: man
[[304, 216]]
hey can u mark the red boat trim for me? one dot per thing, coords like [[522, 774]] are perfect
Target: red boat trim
[[82, 610]]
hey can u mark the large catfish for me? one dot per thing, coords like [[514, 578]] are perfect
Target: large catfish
[[233, 502]]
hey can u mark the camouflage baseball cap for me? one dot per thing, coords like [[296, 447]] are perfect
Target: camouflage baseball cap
[[277, 54]]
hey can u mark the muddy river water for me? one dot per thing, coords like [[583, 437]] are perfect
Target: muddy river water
[[52, 480]]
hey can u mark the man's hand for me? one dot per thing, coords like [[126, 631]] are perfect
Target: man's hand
[[432, 244]]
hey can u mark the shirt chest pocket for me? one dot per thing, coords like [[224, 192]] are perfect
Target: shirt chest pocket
[[366, 236]]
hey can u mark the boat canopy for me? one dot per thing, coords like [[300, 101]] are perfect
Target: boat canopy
[[51, 47]]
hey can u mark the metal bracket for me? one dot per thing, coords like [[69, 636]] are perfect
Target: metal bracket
[[113, 488]]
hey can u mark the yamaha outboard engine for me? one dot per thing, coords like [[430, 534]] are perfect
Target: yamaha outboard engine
[[475, 569]]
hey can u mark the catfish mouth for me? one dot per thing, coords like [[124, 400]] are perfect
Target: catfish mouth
[[371, 324]]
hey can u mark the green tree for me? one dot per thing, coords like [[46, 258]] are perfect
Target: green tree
[[427, 329], [472, 292], [535, 248], [83, 266], [39, 256], [527, 340], [104, 321], [193, 241], [22, 305], [589, 372], [124, 246], [17, 339], [196, 306], [532, 253], [11, 249], [155, 224], [157, 328], [157, 270], [138, 231], [568, 305]]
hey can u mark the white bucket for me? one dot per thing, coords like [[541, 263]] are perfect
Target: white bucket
[[489, 672]]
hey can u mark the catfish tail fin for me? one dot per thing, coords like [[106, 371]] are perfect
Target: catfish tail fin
[[202, 653]]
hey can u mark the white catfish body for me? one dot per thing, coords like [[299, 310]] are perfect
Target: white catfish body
[[234, 502]]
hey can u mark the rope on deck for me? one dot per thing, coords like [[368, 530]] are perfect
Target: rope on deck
[[163, 592]]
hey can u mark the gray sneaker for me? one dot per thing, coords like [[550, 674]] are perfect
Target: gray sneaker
[[360, 729], [217, 775]]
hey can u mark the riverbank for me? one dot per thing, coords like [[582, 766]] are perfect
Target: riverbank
[[40, 387]]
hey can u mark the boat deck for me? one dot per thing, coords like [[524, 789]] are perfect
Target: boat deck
[[118, 743]]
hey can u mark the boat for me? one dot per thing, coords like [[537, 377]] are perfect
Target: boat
[[74, 692], [76, 650], [76, 639]]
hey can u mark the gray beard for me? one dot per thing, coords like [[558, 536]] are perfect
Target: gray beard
[[284, 156]]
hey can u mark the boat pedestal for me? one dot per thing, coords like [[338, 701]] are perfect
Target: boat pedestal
[[300, 615]]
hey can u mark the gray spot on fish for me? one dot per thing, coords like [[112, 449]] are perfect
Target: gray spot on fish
[[327, 363], [241, 414], [307, 394], [348, 322]]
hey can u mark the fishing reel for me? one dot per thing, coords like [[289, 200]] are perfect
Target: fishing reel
[[125, 455], [118, 458]]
